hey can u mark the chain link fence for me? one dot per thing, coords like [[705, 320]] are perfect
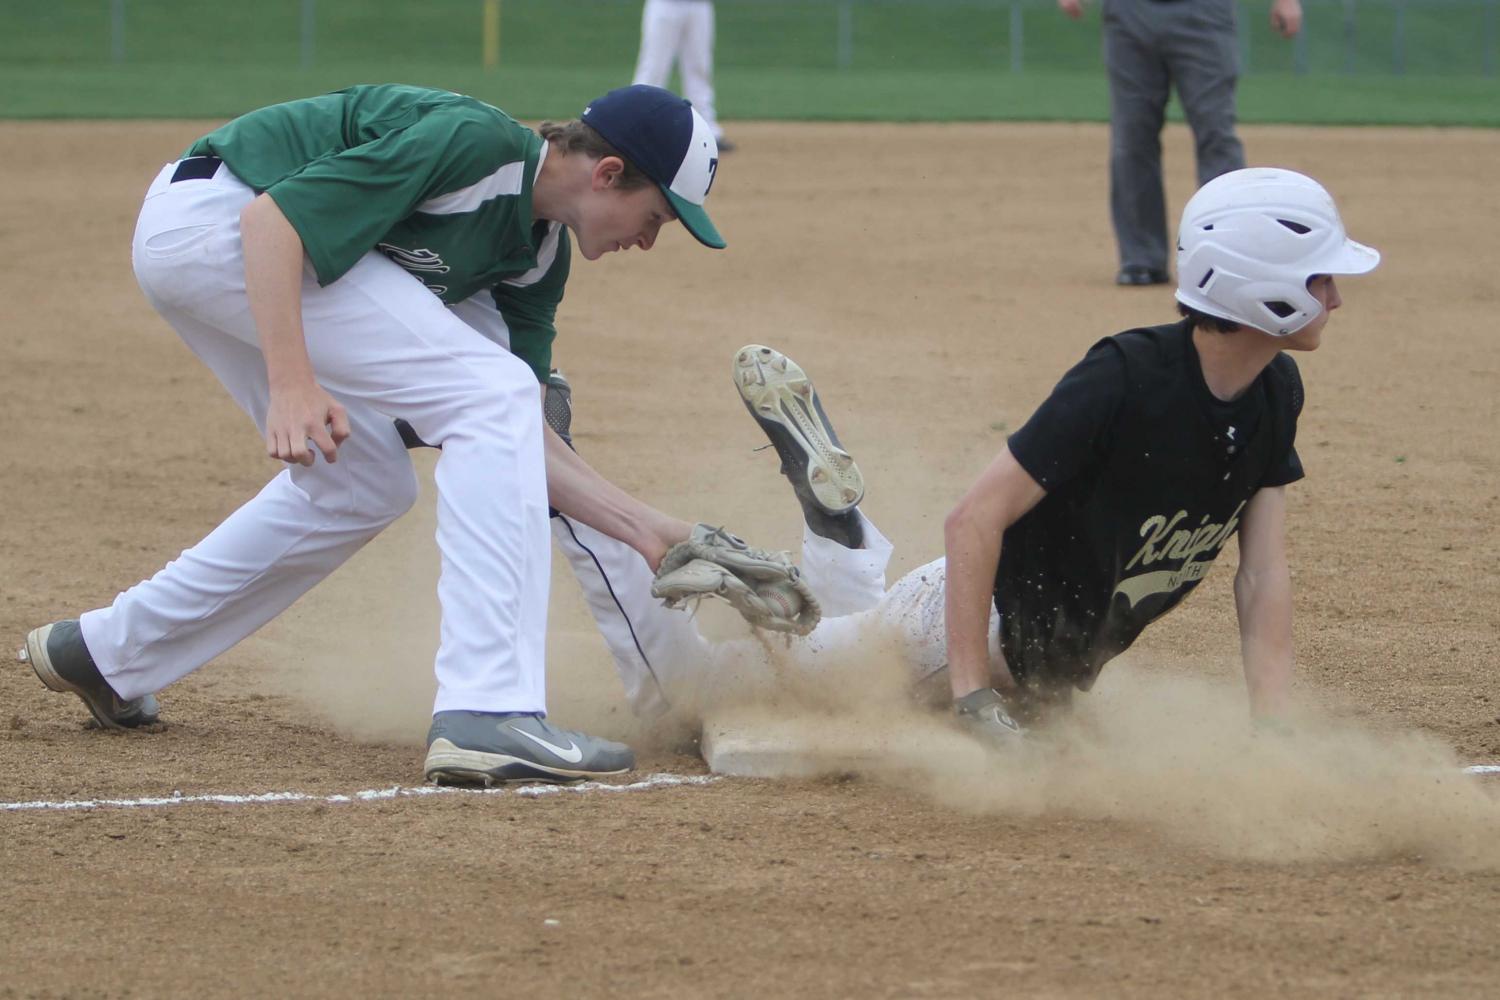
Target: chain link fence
[[1353, 37]]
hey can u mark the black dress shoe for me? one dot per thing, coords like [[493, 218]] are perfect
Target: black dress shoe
[[1137, 275]]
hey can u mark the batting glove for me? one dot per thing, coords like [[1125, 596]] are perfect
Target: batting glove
[[984, 715]]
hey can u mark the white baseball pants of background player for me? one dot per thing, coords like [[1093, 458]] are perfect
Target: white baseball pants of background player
[[663, 660], [682, 30], [385, 347]]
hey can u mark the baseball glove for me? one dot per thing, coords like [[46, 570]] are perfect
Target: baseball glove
[[764, 587]]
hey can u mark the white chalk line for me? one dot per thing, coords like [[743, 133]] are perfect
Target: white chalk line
[[661, 780]]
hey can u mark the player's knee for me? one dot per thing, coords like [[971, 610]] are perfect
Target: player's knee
[[502, 402], [394, 494], [371, 494]]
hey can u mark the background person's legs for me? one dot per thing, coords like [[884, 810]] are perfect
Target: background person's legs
[[1203, 58], [662, 25], [1138, 90], [696, 60]]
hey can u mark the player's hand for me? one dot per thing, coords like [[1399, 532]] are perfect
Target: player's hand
[[1286, 17], [300, 413], [986, 717], [1072, 8]]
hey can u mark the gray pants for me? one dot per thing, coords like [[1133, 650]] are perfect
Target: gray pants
[[1149, 45]]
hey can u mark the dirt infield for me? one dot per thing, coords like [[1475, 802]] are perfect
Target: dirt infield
[[935, 280]]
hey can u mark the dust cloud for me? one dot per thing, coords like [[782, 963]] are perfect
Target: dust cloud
[[1174, 752], [1177, 753], [1169, 748]]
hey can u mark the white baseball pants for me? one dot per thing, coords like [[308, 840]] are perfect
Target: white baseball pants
[[663, 660], [681, 30], [385, 347]]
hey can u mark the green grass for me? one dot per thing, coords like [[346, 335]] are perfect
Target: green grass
[[811, 95], [777, 59]]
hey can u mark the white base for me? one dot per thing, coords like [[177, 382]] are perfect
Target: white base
[[761, 746]]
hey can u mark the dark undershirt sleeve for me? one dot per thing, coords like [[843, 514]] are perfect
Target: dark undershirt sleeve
[[1070, 429], [1285, 472]]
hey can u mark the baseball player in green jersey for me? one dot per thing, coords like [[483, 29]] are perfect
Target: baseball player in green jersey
[[395, 253]]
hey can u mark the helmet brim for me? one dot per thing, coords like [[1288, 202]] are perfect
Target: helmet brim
[[1351, 258]]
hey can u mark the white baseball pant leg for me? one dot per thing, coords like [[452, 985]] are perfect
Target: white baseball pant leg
[[659, 653], [385, 347], [695, 59], [662, 25], [650, 644], [913, 611]]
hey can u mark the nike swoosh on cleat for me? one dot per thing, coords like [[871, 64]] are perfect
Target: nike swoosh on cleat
[[572, 753]]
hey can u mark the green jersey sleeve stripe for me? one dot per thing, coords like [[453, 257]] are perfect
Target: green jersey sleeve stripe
[[545, 255], [507, 181]]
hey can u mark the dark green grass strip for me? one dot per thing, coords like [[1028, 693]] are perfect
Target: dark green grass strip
[[177, 91]]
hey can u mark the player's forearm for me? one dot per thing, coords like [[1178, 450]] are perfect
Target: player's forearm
[[577, 490], [273, 284], [972, 548], [1264, 603]]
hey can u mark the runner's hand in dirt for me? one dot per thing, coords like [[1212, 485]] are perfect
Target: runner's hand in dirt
[[303, 412], [985, 716]]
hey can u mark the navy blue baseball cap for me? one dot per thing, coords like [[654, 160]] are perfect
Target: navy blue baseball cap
[[670, 142]]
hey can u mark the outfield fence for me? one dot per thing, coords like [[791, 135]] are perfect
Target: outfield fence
[[1349, 37]]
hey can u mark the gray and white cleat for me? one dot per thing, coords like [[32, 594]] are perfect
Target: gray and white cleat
[[487, 748], [62, 662], [781, 398]]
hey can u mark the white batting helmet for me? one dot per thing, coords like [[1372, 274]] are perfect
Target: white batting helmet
[[1249, 241]]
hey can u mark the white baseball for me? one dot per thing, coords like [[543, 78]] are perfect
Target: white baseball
[[786, 600]]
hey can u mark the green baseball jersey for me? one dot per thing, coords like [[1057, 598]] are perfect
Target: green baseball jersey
[[438, 182]]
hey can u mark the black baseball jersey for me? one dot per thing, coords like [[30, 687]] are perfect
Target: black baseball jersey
[[1147, 475]]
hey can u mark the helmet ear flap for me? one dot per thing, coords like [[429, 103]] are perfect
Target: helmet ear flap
[[1286, 310], [1196, 267], [1205, 285]]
